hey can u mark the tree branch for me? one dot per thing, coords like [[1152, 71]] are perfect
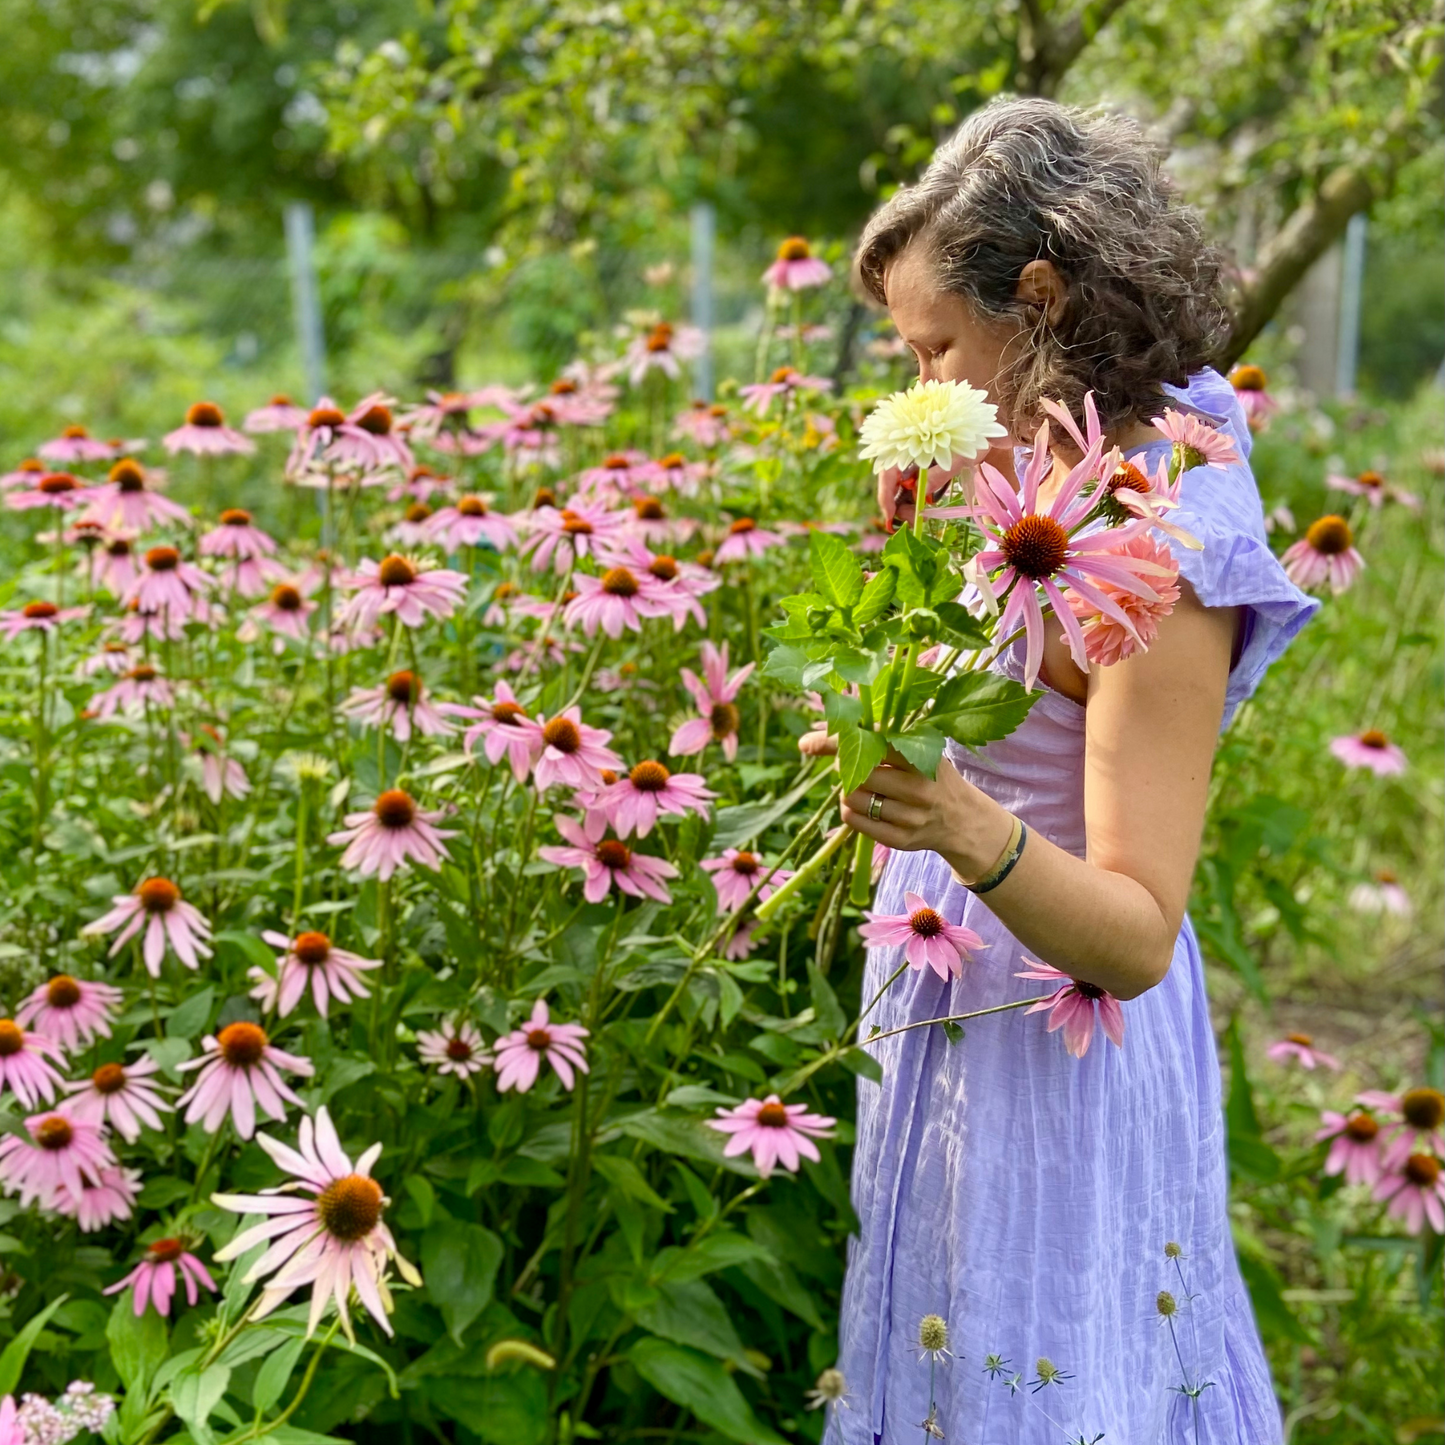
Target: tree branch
[[1047, 50]]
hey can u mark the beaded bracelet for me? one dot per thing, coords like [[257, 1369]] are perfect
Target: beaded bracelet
[[1012, 852]]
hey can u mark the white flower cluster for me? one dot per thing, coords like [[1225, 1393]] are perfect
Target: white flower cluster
[[79, 1409], [928, 426]]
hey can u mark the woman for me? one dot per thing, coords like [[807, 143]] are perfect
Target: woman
[[1024, 1195]]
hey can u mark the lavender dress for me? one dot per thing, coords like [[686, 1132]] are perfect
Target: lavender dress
[[1025, 1195]]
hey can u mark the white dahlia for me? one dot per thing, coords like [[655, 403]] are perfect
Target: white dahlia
[[928, 425]]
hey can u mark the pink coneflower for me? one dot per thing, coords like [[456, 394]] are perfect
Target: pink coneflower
[[1383, 895], [221, 777], [674, 473], [529, 432], [238, 537], [773, 1132], [742, 943], [12, 1428], [1372, 485], [1301, 1047], [373, 416], [420, 484], [412, 531], [928, 939], [1279, 518], [682, 583], [1415, 1190], [1073, 1007], [75, 444], [72, 1012], [521, 1053], [398, 704], [651, 521], [328, 438], [469, 523], [167, 582], [240, 1069], [745, 539], [279, 414], [607, 861], [38, 616], [1355, 1152], [1417, 1117], [335, 1240], [24, 1063], [157, 906], [1027, 550], [620, 598], [650, 790], [139, 687], [58, 490], [559, 536], [113, 658], [110, 1200], [440, 409], [1251, 391], [25, 476], [1370, 749], [715, 694], [390, 834], [572, 753], [617, 475], [154, 1278], [1196, 443], [796, 267], [705, 423], [454, 1048], [1324, 555], [403, 586], [310, 960], [61, 1152], [784, 382], [500, 721], [113, 565], [582, 395], [128, 499], [287, 611], [206, 434], [735, 874], [661, 348], [125, 1096], [163, 624]]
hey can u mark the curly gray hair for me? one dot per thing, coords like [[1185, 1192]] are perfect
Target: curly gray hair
[[1028, 179]]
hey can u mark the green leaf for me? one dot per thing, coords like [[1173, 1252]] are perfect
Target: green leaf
[[188, 1019], [826, 1008], [1249, 1155], [861, 1062], [837, 573], [459, 1265], [720, 1250], [841, 711], [681, 1136], [195, 1394], [12, 1360], [624, 1176], [859, 753], [781, 1285], [255, 949], [137, 1345], [853, 665], [687, 1312], [963, 627], [786, 664], [877, 597], [423, 1196], [502, 1409], [702, 1386], [1276, 1320], [275, 1371], [980, 707], [739, 825], [923, 748]]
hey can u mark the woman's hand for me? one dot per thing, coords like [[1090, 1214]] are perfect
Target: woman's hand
[[946, 815], [896, 496]]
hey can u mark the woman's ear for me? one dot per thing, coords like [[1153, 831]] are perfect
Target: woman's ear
[[1040, 284]]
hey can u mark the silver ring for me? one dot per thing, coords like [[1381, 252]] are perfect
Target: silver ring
[[875, 808]]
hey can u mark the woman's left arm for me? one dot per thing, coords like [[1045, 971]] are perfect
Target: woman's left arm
[[1111, 918]]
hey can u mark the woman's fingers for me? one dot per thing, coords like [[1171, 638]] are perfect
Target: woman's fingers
[[879, 830], [906, 787], [818, 745]]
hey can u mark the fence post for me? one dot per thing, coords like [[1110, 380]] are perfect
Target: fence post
[[305, 301], [704, 232], [1351, 287]]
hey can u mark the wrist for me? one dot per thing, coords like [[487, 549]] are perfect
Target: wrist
[[988, 839]]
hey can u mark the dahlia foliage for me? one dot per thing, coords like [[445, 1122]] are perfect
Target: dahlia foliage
[[427, 942]]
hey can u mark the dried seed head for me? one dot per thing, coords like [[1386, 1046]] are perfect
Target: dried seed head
[[1165, 1303], [933, 1333]]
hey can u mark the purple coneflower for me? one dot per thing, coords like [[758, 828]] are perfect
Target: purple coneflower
[[287, 611], [705, 423], [401, 585], [73, 1012], [784, 382], [240, 1069], [649, 790], [24, 1064], [75, 444], [570, 753], [1325, 555], [128, 499], [1382, 895], [773, 1132], [559, 536], [454, 1048], [206, 434], [61, 1152], [796, 267], [1355, 1152], [237, 536], [1372, 750], [398, 704], [58, 490], [157, 906], [1415, 1123], [1372, 485], [468, 523], [113, 565], [37, 616], [1196, 443], [606, 862], [1415, 1191], [734, 875], [1074, 1006], [1251, 391], [500, 722], [1302, 1047], [279, 414], [617, 475], [745, 539], [221, 776], [169, 583], [111, 1199], [154, 1278], [390, 834], [138, 688], [715, 694], [373, 417], [674, 473], [927, 938], [310, 960], [620, 598], [661, 348], [520, 1054], [125, 1096]]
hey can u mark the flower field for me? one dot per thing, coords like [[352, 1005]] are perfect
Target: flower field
[[430, 972]]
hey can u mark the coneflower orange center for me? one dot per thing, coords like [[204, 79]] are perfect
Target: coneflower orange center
[[773, 1116], [376, 420], [280, 399], [619, 582], [472, 507], [324, 416], [660, 339], [108, 1079], [242, 1044], [204, 413], [1370, 479], [649, 777], [743, 524], [505, 590], [158, 895], [926, 922], [1087, 990], [1248, 378], [563, 386], [404, 687], [1129, 478], [62, 991], [1330, 535], [144, 672], [724, 719], [717, 409], [663, 568], [350, 1207], [617, 462], [1037, 546], [539, 1038], [395, 809], [1423, 1108], [649, 509], [396, 571], [563, 734], [612, 854], [74, 433], [418, 512], [54, 1133], [128, 476], [166, 1251], [1374, 738], [37, 611], [745, 863], [119, 547], [783, 376], [508, 713], [1387, 875], [672, 462], [285, 597], [1422, 1170], [236, 517], [1303, 1040], [312, 948], [573, 524], [795, 248], [1361, 1128], [57, 484], [12, 1038], [163, 559], [544, 497], [459, 1050]]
